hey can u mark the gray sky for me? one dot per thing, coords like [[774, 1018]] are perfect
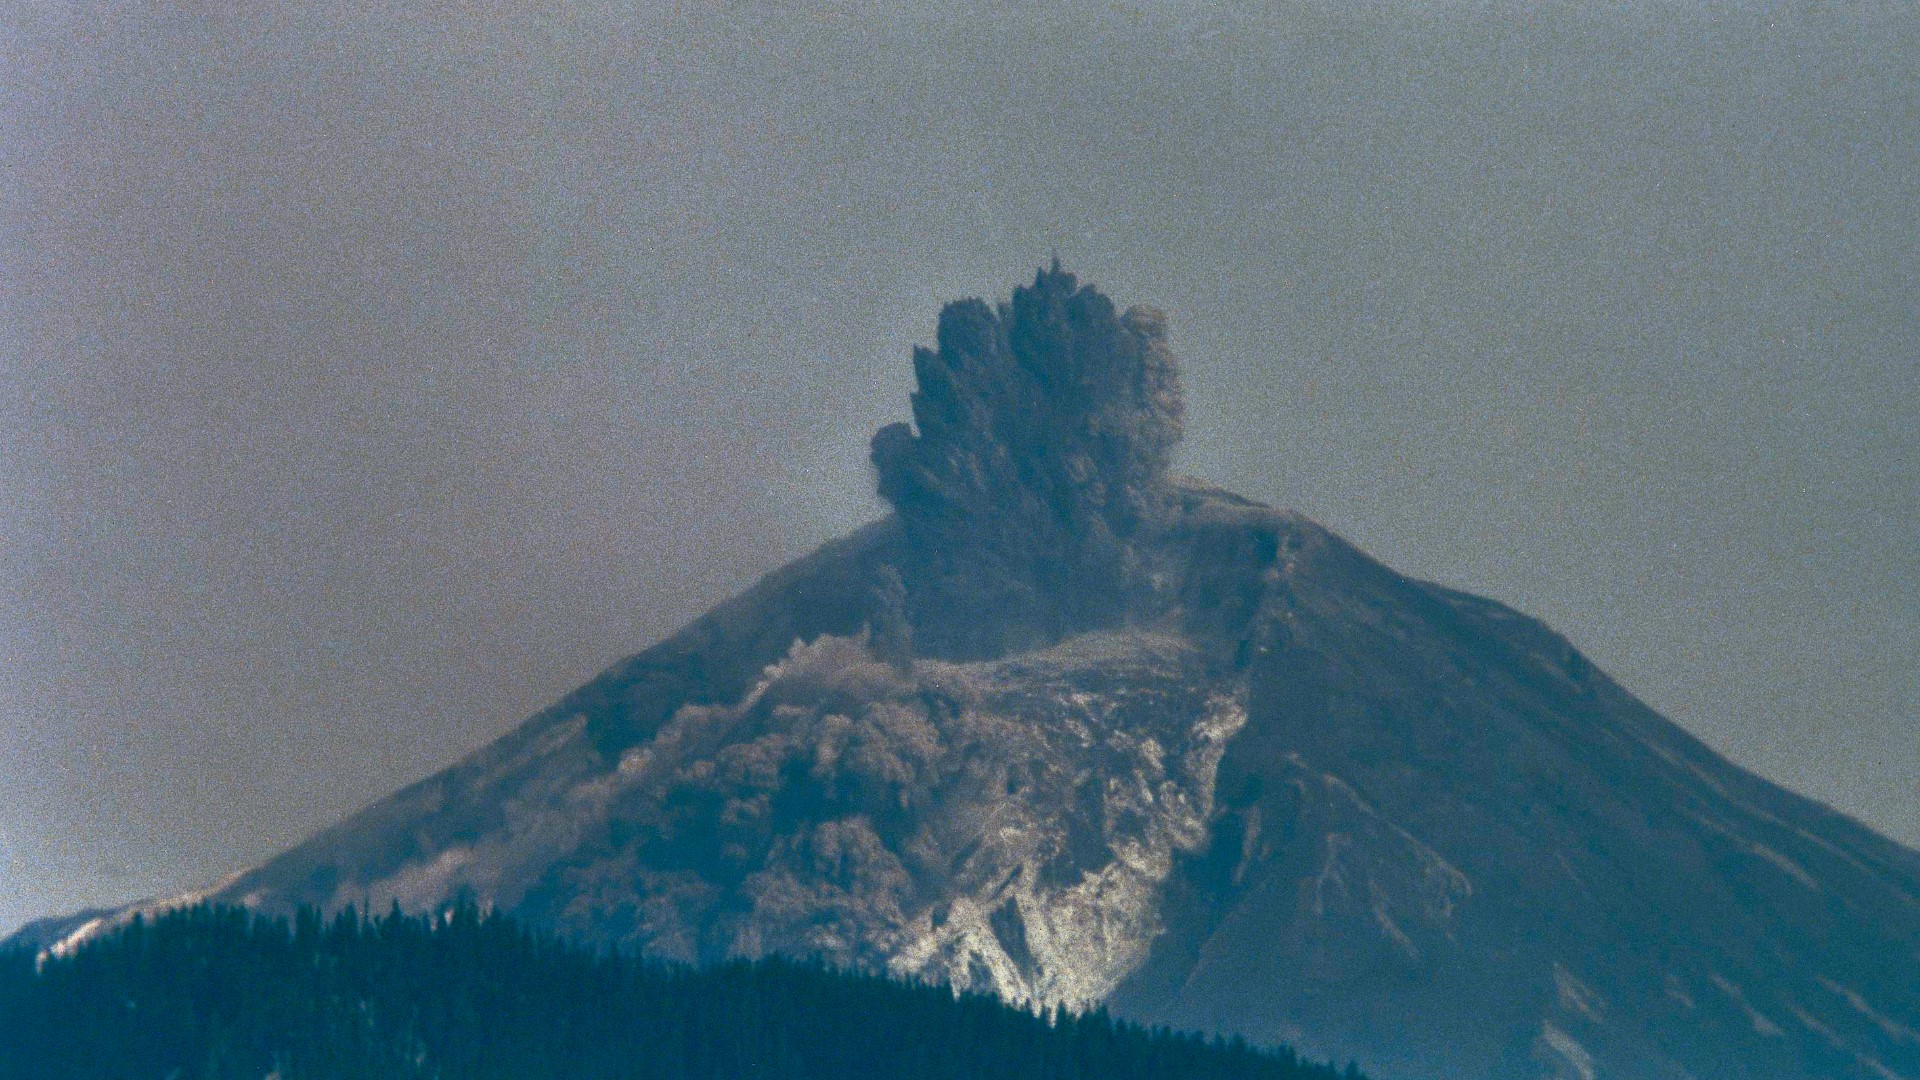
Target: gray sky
[[370, 374]]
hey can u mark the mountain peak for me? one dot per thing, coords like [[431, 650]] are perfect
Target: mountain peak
[[1069, 729]]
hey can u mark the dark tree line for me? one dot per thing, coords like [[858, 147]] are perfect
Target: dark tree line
[[211, 993]]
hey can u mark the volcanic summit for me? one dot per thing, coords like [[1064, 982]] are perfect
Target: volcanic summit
[[1069, 727]]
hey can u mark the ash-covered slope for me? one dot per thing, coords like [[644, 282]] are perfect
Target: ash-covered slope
[[1069, 729], [1445, 841]]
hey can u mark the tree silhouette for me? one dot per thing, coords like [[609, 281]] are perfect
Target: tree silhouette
[[210, 993]]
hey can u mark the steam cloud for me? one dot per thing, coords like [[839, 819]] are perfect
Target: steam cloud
[[1037, 480]]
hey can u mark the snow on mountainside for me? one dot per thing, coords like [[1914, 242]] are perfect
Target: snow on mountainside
[[1248, 780]]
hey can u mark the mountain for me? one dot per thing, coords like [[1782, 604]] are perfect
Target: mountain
[[1071, 729]]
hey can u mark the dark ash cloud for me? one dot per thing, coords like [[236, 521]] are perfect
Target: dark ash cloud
[[1038, 475]]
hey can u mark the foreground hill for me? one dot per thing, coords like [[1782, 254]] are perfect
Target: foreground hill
[[209, 993], [1068, 729]]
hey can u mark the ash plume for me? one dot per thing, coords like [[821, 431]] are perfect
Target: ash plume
[[1036, 482]]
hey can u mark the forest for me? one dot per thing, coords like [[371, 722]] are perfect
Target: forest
[[219, 993]]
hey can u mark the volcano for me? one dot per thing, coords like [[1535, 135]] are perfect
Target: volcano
[[1070, 728]]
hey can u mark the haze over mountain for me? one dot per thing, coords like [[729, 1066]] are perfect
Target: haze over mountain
[[374, 372], [1075, 730]]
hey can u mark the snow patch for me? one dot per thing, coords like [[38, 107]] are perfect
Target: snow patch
[[1576, 996], [1761, 1024], [106, 924], [1562, 1054], [1892, 1027]]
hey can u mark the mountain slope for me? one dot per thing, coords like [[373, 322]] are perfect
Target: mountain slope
[[1395, 822], [1441, 822], [1072, 730]]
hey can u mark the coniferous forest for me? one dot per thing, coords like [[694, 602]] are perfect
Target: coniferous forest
[[218, 993]]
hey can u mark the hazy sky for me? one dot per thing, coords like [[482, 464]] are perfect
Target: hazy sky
[[370, 374]]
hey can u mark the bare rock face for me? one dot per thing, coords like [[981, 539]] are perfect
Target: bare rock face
[[1001, 826], [1178, 753]]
